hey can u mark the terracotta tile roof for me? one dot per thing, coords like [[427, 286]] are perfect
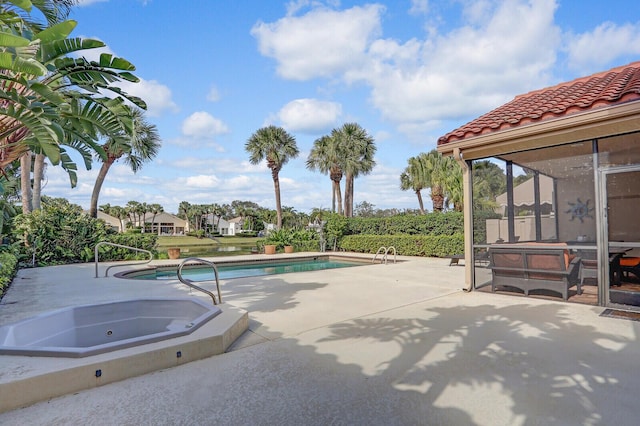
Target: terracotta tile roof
[[613, 87]]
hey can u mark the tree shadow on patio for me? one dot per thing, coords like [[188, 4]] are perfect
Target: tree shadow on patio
[[536, 364]]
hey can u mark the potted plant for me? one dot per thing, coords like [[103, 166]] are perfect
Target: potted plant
[[174, 252], [280, 239]]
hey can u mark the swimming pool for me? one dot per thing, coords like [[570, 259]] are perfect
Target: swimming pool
[[245, 269]]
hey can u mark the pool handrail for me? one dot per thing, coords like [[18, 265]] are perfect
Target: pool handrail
[[385, 252], [107, 243], [190, 283]]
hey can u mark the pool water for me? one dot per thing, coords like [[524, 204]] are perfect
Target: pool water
[[203, 273]]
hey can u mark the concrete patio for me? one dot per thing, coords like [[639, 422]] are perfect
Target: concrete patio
[[376, 345]]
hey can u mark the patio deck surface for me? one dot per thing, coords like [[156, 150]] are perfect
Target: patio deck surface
[[377, 345]]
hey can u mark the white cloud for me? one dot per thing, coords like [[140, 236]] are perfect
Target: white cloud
[[309, 115], [201, 124], [419, 7], [213, 95], [196, 143], [82, 3], [219, 165], [157, 96], [592, 50], [321, 43], [504, 48], [467, 71], [200, 181]]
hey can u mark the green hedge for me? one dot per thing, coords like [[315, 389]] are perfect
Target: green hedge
[[406, 245], [480, 225], [61, 233], [8, 269], [449, 223]]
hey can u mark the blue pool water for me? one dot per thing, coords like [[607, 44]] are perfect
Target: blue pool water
[[202, 273]]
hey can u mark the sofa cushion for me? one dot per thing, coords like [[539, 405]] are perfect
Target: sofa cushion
[[548, 262], [630, 261], [509, 260]]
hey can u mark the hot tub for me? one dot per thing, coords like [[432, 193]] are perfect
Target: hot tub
[[81, 331]]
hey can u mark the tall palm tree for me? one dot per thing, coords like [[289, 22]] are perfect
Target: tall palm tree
[[454, 186], [325, 157], [413, 178], [120, 213], [39, 167], [49, 99], [137, 148], [132, 209], [276, 146], [357, 150], [155, 209]]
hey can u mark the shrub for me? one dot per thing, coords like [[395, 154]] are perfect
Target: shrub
[[146, 241], [62, 233], [247, 234], [8, 269], [338, 227], [301, 240], [407, 245], [198, 234], [59, 233]]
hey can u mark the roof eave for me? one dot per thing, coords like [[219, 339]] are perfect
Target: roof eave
[[596, 123]]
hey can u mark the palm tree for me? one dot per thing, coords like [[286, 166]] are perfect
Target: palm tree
[[413, 178], [453, 186], [489, 181], [155, 209], [276, 146], [132, 209], [325, 157], [39, 167], [436, 171], [357, 150], [48, 99], [137, 148], [120, 213], [183, 208]]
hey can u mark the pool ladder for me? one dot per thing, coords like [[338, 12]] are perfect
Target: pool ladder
[[106, 243], [385, 253], [190, 283]]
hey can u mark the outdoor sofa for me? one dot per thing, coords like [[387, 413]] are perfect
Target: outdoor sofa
[[534, 266]]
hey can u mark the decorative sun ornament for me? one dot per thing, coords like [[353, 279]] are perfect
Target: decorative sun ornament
[[580, 210]]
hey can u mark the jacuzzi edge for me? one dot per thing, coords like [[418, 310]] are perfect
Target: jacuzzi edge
[[213, 338]]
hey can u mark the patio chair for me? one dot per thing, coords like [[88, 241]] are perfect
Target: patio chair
[[630, 265], [588, 270]]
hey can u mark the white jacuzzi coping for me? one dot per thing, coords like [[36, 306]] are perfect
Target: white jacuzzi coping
[[37, 379], [85, 330]]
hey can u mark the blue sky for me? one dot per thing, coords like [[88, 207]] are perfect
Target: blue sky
[[215, 71]]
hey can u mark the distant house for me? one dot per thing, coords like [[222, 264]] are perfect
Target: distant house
[[235, 225], [224, 226], [114, 222], [166, 224], [161, 224]]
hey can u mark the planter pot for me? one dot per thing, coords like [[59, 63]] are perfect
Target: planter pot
[[270, 249], [288, 249], [174, 253]]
